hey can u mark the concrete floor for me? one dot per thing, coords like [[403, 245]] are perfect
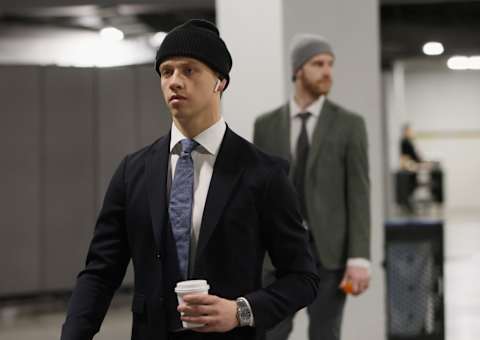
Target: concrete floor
[[48, 326], [462, 275], [462, 297]]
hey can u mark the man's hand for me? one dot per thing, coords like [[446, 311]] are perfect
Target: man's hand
[[218, 315], [358, 277]]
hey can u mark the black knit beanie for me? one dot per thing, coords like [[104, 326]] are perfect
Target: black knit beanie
[[198, 39]]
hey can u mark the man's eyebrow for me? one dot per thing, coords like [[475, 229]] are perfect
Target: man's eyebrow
[[179, 63], [187, 63], [162, 66]]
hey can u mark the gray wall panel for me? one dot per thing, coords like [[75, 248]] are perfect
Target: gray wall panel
[[75, 126], [116, 121], [117, 118], [155, 118], [19, 179], [70, 172]]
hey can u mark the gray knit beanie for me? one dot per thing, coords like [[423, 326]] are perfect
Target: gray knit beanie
[[304, 46]]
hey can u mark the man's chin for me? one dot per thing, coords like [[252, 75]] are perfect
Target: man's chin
[[318, 94], [179, 114], [324, 91]]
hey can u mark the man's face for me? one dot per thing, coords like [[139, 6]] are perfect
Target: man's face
[[408, 132], [187, 86], [316, 74]]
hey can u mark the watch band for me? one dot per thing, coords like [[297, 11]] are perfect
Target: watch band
[[244, 312]]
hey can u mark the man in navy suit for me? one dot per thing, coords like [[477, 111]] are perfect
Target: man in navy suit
[[199, 203]]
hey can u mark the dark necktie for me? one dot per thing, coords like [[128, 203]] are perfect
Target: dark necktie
[[302, 149], [181, 199]]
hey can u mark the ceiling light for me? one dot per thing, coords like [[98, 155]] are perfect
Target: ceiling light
[[157, 38], [111, 34], [458, 63], [433, 48], [474, 62]]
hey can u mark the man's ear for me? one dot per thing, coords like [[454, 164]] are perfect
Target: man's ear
[[297, 74], [220, 85]]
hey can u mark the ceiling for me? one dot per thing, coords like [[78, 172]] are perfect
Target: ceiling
[[405, 24], [406, 27], [133, 20], [68, 35]]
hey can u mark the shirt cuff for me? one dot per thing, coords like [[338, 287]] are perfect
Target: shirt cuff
[[359, 262]]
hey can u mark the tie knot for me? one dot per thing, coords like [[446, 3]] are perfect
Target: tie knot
[[304, 116], [188, 145]]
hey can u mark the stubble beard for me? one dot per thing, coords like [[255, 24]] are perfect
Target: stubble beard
[[317, 89]]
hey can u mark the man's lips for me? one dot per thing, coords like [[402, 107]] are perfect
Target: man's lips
[[176, 98]]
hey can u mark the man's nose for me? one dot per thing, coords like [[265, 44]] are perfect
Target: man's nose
[[328, 70], [176, 80], [327, 74]]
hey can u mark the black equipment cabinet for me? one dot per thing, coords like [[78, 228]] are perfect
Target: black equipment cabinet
[[414, 277]]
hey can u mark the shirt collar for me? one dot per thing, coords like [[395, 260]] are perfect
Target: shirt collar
[[209, 139], [314, 108]]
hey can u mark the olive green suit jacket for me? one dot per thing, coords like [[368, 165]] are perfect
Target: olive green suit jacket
[[337, 186]]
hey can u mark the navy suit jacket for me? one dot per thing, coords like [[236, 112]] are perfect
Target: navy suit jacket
[[250, 209]]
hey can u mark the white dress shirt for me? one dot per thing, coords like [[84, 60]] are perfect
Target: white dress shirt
[[315, 109], [203, 157]]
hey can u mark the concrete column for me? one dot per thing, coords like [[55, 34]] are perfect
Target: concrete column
[[253, 32], [258, 35], [397, 113]]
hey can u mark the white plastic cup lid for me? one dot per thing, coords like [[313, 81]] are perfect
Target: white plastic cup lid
[[191, 286]]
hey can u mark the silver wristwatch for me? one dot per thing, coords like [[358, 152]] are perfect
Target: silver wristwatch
[[244, 312]]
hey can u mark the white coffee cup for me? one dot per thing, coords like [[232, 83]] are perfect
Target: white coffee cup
[[191, 287]]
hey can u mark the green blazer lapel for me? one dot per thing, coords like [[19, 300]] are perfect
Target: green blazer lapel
[[324, 122], [282, 132]]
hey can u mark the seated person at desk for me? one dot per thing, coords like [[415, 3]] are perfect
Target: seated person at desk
[[411, 165], [409, 158]]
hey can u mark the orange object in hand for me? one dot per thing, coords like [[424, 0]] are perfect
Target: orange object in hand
[[347, 287]]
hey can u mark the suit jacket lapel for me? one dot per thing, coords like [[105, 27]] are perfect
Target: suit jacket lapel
[[327, 116], [157, 171], [226, 173]]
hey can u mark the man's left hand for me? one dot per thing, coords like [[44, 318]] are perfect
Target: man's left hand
[[218, 314], [359, 278]]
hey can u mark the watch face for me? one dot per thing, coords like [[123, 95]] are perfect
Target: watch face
[[245, 313]]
